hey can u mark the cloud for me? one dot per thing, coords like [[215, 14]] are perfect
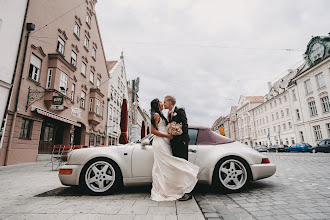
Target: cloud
[[208, 53]]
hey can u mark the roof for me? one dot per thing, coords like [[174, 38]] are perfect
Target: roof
[[255, 99], [111, 64], [208, 137]]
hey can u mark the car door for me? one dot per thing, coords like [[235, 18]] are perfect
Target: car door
[[321, 146], [327, 146], [142, 160], [192, 148]]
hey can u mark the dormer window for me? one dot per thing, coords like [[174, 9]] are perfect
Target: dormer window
[[316, 52]]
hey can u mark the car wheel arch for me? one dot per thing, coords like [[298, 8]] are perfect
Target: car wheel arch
[[81, 177], [244, 161]]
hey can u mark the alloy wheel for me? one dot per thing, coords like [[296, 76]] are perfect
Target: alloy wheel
[[100, 176], [232, 174]]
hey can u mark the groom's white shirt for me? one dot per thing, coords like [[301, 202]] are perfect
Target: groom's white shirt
[[171, 111]]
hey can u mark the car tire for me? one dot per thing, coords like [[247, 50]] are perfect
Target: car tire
[[100, 176], [231, 174], [300, 150]]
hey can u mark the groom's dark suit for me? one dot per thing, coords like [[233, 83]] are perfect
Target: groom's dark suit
[[179, 143]]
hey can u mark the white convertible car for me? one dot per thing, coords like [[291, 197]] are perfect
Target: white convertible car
[[224, 162]]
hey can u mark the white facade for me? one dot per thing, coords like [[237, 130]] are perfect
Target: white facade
[[118, 91], [10, 32], [246, 129], [309, 94]]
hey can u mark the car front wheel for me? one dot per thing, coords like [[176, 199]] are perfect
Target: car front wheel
[[100, 176], [231, 174]]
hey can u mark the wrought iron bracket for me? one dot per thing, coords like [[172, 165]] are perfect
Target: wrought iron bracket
[[35, 95]]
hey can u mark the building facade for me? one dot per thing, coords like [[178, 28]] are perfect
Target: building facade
[[11, 25], [61, 96], [309, 93], [273, 119], [117, 123], [245, 119]]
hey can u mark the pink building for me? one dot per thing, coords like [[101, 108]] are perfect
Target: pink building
[[60, 89]]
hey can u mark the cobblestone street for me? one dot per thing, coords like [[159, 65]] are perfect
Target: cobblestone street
[[300, 189]]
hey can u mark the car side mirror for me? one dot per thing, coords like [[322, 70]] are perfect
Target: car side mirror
[[145, 142]]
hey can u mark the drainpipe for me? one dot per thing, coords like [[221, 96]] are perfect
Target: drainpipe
[[30, 27]]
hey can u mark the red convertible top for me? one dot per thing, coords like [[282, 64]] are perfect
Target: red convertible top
[[208, 137]]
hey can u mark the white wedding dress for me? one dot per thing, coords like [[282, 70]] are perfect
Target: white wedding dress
[[172, 177]]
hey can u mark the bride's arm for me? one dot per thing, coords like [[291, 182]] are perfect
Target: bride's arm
[[156, 132]]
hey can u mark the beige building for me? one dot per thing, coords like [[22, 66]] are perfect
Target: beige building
[[61, 96], [245, 119]]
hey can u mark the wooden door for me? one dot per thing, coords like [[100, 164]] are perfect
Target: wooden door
[[47, 139]]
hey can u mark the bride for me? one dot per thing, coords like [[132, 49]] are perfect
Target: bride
[[172, 177]]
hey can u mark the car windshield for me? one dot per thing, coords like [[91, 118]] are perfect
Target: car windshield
[[149, 136]]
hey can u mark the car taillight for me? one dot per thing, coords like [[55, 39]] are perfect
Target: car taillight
[[265, 160], [66, 171]]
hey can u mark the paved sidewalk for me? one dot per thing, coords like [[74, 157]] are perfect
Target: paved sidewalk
[[19, 185]]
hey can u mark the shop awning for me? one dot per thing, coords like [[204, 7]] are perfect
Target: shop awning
[[55, 116]]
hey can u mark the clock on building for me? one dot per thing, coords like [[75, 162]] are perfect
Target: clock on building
[[316, 52]]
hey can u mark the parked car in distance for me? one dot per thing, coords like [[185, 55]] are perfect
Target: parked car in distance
[[277, 148], [261, 148], [323, 146], [299, 147]]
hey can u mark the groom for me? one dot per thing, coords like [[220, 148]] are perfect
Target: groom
[[179, 143]]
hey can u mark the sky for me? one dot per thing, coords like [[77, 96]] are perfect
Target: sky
[[207, 53]]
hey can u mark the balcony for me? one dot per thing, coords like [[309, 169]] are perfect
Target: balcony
[[94, 119]]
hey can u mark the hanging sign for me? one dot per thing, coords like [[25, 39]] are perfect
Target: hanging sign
[[57, 100]]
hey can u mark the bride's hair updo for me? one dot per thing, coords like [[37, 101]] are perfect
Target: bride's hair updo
[[155, 109]]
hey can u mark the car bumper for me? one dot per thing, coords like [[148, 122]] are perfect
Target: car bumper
[[260, 171], [73, 178]]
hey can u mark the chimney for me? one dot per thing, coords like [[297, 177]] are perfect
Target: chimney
[[269, 86]]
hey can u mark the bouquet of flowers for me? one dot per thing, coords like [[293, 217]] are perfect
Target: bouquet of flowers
[[174, 128]]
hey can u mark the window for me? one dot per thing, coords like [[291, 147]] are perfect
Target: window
[[263, 120], [98, 82], [325, 104], [88, 19], [274, 128], [290, 125], [49, 78], [82, 99], [282, 113], [122, 71], [266, 119], [97, 106], [76, 29], [328, 127], [292, 140], [25, 128], [279, 127], [298, 114], [275, 103], [308, 86], [312, 108], [294, 95], [317, 132], [277, 117], [118, 83], [302, 136], [265, 108], [91, 140], [74, 59], [91, 77], [320, 81], [98, 140], [287, 112], [273, 117], [280, 100], [284, 98], [91, 105], [63, 83], [193, 136], [60, 45], [270, 105], [86, 42], [72, 91], [268, 129], [110, 116], [83, 68], [35, 65], [284, 126], [94, 53]]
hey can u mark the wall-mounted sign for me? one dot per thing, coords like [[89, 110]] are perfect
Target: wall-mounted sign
[[57, 107], [76, 112], [57, 100]]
